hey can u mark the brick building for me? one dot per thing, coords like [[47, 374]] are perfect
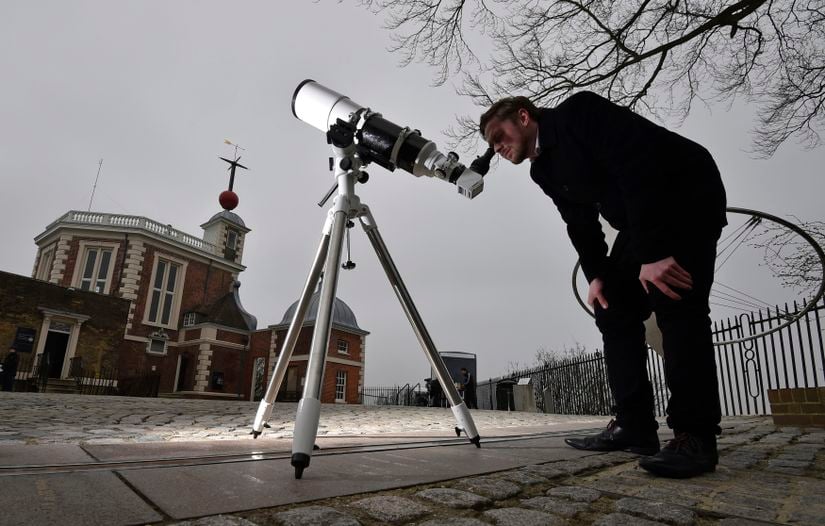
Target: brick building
[[183, 319], [62, 324], [344, 369]]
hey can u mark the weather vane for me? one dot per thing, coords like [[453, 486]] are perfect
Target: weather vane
[[228, 198]]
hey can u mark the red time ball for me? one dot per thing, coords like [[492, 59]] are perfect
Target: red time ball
[[228, 200]]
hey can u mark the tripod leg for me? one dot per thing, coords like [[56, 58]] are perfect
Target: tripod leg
[[309, 408], [460, 411], [265, 407]]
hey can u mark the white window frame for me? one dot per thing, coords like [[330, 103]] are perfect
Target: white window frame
[[341, 385], [80, 263], [174, 313], [153, 339], [342, 349], [234, 244], [44, 266], [190, 319]]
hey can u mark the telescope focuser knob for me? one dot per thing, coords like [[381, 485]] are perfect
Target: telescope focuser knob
[[341, 134], [363, 177], [345, 164]]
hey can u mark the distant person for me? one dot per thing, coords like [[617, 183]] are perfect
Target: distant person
[[664, 195], [468, 385], [436, 394], [9, 370]]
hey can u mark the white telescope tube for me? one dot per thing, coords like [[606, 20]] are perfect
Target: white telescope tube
[[321, 107]]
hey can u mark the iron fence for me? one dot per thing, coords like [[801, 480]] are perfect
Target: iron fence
[[788, 358], [408, 395]]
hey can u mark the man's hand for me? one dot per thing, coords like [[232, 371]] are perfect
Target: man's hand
[[594, 293], [663, 273]]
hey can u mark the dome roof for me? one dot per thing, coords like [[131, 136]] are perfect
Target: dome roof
[[341, 313], [232, 217]]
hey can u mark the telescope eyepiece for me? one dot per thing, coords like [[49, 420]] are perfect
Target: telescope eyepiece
[[481, 164]]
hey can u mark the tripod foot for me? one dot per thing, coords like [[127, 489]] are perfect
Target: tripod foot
[[266, 425], [457, 431], [255, 434], [299, 462], [476, 441]]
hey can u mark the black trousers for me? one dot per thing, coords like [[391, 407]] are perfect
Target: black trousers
[[690, 368]]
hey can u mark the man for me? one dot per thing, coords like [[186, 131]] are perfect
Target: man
[[9, 370], [664, 195], [468, 386]]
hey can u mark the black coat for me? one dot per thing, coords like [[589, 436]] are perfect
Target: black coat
[[10, 364], [600, 158]]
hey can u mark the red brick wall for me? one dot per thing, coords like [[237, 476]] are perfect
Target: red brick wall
[[75, 258], [203, 285], [232, 337], [354, 348], [230, 362], [71, 262], [798, 407], [259, 342], [135, 361], [191, 334], [302, 347], [328, 391]]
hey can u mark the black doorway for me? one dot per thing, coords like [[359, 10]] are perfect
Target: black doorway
[[55, 352], [184, 363]]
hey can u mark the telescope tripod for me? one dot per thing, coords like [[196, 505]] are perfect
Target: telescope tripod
[[346, 207]]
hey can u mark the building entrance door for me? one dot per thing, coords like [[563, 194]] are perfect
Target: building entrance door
[[182, 372], [54, 352], [289, 389]]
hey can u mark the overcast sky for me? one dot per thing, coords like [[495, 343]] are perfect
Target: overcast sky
[[154, 88]]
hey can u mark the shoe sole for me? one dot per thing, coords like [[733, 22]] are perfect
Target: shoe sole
[[646, 451], [666, 472]]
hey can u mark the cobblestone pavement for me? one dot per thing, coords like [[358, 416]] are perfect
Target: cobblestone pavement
[[767, 475], [33, 418]]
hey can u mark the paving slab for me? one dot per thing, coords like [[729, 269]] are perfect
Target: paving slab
[[90, 499], [232, 487], [32, 455]]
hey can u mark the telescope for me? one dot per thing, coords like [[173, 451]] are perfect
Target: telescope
[[383, 142]]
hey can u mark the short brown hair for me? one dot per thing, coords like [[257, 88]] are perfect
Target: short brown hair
[[507, 108]]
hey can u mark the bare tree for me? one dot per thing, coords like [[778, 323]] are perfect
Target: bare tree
[[654, 56], [792, 259], [548, 356]]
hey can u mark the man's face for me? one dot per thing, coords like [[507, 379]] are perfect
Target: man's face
[[510, 138]]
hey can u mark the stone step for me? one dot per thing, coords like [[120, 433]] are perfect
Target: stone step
[[61, 386]]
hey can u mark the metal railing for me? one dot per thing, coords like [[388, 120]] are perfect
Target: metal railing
[[138, 223], [789, 358], [93, 381], [407, 395]]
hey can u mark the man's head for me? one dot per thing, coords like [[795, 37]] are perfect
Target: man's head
[[510, 127]]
